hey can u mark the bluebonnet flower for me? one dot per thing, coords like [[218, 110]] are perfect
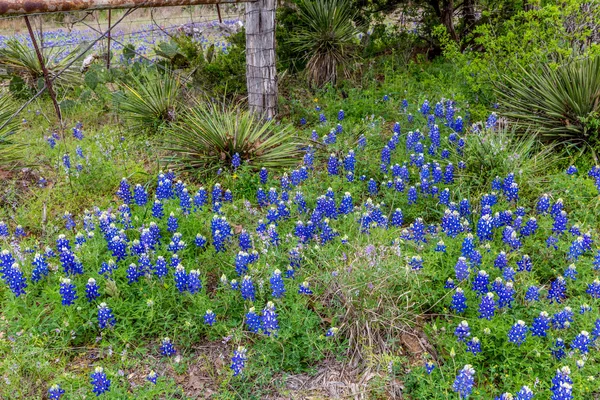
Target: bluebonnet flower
[[236, 161], [40, 267], [543, 204], [322, 118], [181, 278], [166, 348], [462, 331], [506, 295], [152, 376], [172, 223], [69, 223], [157, 209], [308, 159], [558, 351], [429, 367], [100, 382], [474, 346], [518, 333], [481, 282], [416, 263], [540, 325], [270, 325], [582, 342], [560, 222], [562, 319], [238, 361], [304, 288], [372, 187], [558, 290], [524, 394], [124, 191], [440, 247], [55, 392], [585, 308], [105, 316], [463, 384], [412, 195], [247, 289], [91, 290], [253, 321], [133, 274], [572, 170], [209, 318], [277, 286], [593, 289], [524, 264], [194, 283], [331, 331], [14, 278], [461, 269], [66, 162], [19, 231], [459, 301], [487, 306], [451, 223], [532, 294], [571, 272], [67, 292], [562, 384]]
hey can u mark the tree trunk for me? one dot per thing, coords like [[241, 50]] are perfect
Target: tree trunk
[[261, 72], [447, 18], [468, 12]]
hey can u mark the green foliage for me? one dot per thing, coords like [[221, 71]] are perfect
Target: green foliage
[[562, 104], [327, 39], [182, 51], [224, 73], [9, 151], [207, 136], [288, 57], [540, 36], [25, 72], [151, 100], [499, 152]]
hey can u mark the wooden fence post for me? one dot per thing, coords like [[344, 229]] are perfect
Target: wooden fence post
[[261, 72]]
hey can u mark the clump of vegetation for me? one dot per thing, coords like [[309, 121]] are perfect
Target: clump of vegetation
[[8, 127], [150, 100], [23, 68], [561, 104], [209, 135], [327, 37]]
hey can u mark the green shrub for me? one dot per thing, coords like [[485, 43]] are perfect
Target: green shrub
[[561, 104], [151, 100], [207, 136], [327, 38]]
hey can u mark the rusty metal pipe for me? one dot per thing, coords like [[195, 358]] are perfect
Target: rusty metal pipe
[[18, 7]]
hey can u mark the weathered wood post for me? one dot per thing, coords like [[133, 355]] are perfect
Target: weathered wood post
[[261, 72]]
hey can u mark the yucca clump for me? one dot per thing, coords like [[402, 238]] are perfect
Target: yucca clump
[[327, 37], [20, 60], [562, 104], [208, 137], [151, 100]]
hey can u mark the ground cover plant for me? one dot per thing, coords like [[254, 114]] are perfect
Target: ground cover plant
[[369, 219]]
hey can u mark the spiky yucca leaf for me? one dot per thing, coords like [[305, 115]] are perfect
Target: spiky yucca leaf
[[207, 136], [151, 100], [9, 150], [556, 102], [327, 37], [19, 59]]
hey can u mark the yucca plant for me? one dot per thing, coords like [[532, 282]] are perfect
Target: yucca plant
[[561, 104], [327, 38], [502, 151], [20, 60], [208, 135], [150, 100], [9, 151]]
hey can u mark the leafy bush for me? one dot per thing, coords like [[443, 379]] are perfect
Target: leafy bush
[[151, 100], [561, 103], [23, 67], [208, 135], [327, 38]]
